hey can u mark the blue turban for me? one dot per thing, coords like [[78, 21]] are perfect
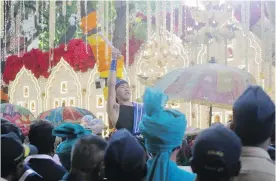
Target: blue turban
[[71, 132], [163, 130], [120, 82]]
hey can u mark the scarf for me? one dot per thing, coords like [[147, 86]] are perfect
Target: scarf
[[163, 131]]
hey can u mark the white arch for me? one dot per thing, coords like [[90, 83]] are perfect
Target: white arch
[[27, 72], [63, 63]]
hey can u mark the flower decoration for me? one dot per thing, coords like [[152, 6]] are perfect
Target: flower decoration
[[38, 62]]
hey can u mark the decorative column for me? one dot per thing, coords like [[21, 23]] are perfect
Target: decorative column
[[127, 34], [2, 24], [52, 29]]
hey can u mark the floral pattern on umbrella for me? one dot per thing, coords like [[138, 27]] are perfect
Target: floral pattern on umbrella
[[209, 84], [65, 114], [18, 115]]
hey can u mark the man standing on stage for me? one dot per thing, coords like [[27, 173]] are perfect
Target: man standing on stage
[[121, 111]]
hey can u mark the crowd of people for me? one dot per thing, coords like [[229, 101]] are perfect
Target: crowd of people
[[149, 144], [239, 152]]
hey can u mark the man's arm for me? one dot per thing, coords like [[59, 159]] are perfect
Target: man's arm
[[113, 108]]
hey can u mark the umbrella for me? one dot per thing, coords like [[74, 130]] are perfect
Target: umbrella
[[18, 115], [207, 84], [64, 114]]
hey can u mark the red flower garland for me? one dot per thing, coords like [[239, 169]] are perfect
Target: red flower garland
[[134, 46], [38, 62]]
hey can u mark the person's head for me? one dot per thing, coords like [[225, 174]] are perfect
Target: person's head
[[7, 127], [40, 135], [123, 92], [125, 158], [216, 154], [254, 117], [12, 156], [71, 132], [87, 158], [230, 125]]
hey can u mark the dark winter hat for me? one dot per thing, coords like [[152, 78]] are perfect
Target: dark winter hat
[[253, 116]]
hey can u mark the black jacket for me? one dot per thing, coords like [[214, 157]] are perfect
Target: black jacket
[[47, 168], [30, 175]]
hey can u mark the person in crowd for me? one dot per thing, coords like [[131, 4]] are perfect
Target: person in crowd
[[71, 132], [122, 113], [87, 159], [216, 154], [40, 135], [91, 123], [12, 160], [254, 118], [163, 130], [230, 124], [8, 127], [184, 154], [271, 147], [125, 158]]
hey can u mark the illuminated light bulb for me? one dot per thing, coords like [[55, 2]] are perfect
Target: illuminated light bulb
[[196, 23], [214, 22]]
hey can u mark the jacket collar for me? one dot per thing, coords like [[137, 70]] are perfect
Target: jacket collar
[[39, 156], [248, 151]]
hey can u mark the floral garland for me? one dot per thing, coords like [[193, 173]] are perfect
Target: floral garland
[[134, 46], [38, 62]]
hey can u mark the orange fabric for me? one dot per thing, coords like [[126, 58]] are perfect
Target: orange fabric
[[91, 22], [4, 96]]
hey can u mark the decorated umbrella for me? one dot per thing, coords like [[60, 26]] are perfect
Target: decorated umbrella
[[65, 114], [207, 84], [18, 115]]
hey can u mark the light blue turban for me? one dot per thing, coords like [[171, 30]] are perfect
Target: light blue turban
[[163, 130]]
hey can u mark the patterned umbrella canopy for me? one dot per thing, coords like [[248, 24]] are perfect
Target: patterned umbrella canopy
[[208, 84], [64, 114], [18, 115]]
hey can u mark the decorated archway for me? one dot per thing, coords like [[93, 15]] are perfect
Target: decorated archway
[[61, 90], [25, 91]]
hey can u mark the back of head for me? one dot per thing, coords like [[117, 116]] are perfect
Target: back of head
[[125, 158], [40, 135], [87, 157], [8, 127], [216, 154], [253, 116], [12, 154]]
